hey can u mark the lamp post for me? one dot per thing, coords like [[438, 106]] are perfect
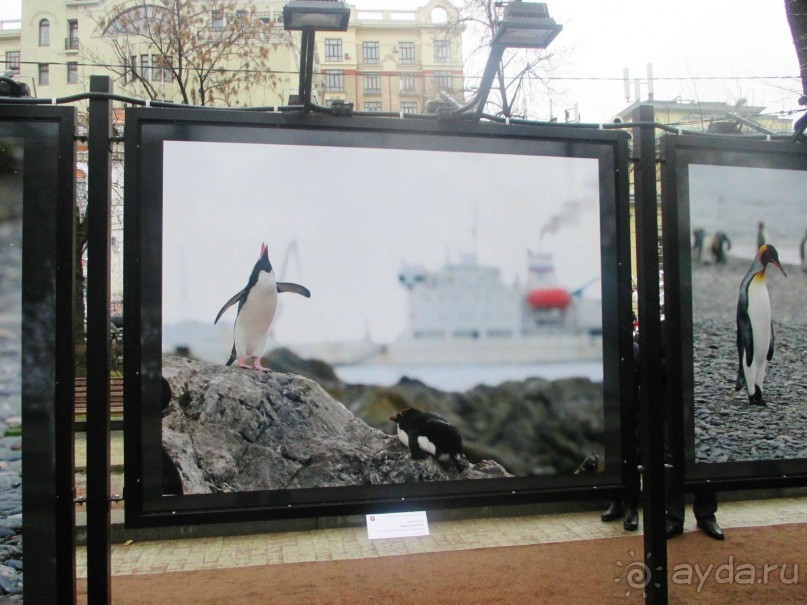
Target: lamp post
[[523, 25], [308, 16]]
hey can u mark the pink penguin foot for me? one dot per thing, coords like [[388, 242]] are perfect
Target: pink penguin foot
[[256, 365], [242, 363]]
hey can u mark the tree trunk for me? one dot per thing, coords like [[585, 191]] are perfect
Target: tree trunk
[[797, 18]]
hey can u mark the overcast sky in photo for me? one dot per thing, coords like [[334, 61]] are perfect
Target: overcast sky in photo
[[701, 50], [356, 216]]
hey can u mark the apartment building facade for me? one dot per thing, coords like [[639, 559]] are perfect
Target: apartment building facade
[[392, 61]]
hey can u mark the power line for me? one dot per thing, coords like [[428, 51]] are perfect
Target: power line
[[325, 68]]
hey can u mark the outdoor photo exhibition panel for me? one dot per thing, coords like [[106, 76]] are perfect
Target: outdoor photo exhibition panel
[[735, 231], [37, 168], [477, 272]]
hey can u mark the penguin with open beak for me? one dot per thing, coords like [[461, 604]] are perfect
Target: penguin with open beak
[[257, 305], [754, 326]]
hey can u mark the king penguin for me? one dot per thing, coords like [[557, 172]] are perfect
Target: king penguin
[[257, 304], [754, 326]]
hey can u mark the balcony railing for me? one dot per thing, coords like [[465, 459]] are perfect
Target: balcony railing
[[71, 43], [10, 25]]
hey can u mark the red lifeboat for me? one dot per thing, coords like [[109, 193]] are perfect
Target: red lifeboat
[[549, 298]]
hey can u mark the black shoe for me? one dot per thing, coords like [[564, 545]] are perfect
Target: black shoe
[[613, 512], [673, 530], [712, 529], [631, 520]]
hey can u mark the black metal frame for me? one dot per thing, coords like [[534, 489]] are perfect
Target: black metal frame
[[681, 151], [48, 367], [148, 129]]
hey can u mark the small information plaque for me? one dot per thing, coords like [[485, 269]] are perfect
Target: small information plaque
[[397, 525]]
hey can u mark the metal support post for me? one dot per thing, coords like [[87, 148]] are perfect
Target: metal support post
[[650, 356], [306, 67], [494, 61], [99, 551], [48, 370]]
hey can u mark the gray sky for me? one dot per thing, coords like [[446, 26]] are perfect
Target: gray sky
[[357, 215]]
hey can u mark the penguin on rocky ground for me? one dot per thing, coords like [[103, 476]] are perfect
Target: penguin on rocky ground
[[719, 245], [424, 432], [754, 326], [762, 235], [257, 304], [698, 236]]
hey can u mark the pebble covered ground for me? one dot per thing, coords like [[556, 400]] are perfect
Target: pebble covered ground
[[11, 566], [727, 427]]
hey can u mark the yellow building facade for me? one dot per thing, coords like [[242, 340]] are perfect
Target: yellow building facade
[[391, 61]]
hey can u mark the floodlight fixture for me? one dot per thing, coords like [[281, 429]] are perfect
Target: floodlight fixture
[[526, 25], [523, 25], [11, 88], [318, 15], [309, 16]]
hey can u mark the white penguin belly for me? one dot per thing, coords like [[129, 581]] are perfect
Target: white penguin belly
[[759, 314], [255, 317], [404, 438], [426, 445]]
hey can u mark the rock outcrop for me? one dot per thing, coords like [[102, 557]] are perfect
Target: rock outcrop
[[531, 427], [228, 429]]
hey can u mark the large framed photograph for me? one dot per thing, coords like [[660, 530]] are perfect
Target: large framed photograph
[[37, 189], [735, 283], [355, 315]]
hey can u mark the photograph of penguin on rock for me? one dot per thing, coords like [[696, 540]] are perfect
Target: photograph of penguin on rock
[[257, 305], [426, 433], [755, 340]]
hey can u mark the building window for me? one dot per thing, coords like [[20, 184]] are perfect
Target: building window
[[72, 35], [372, 84], [217, 20], [72, 72], [44, 33], [154, 68], [442, 80], [334, 80], [371, 52], [145, 67], [372, 106], [44, 74], [162, 69], [406, 53], [333, 49], [13, 61], [408, 84], [442, 51], [409, 107]]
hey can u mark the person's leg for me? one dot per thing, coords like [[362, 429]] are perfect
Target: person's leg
[[705, 507]]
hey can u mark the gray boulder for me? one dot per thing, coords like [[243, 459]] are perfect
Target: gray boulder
[[228, 429]]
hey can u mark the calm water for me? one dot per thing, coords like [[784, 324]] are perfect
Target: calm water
[[464, 377]]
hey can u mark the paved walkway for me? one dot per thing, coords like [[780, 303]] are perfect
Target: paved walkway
[[352, 542]]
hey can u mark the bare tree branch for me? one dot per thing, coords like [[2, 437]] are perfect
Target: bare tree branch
[[201, 51]]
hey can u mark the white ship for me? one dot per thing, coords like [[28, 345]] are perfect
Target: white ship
[[465, 314]]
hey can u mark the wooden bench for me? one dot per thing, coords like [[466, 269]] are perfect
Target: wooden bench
[[115, 397]]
